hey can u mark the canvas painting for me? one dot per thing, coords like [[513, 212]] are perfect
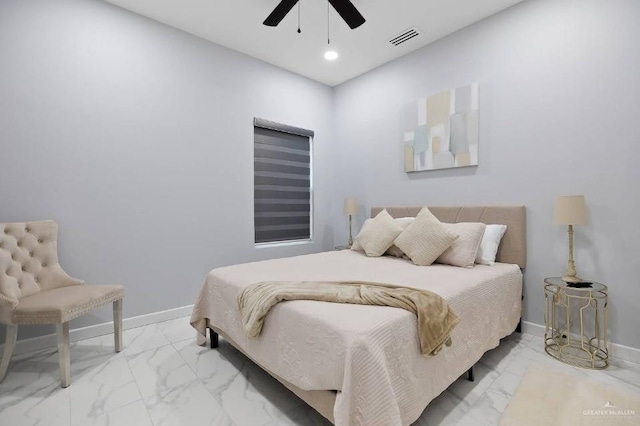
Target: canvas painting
[[441, 132]]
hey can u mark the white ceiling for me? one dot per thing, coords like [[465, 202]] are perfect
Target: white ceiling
[[237, 24]]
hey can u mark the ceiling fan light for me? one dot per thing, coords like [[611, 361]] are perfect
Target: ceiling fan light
[[331, 55]]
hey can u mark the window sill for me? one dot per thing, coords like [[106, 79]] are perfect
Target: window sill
[[283, 244]]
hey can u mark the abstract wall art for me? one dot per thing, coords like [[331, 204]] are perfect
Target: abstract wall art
[[442, 132]]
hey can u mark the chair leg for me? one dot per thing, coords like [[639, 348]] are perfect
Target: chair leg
[[63, 353], [10, 343], [117, 324]]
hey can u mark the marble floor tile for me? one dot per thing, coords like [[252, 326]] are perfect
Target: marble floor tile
[[215, 368], [134, 414], [469, 420], [46, 406], [100, 345], [489, 408], [246, 405], [163, 378], [101, 389], [526, 337], [30, 374], [158, 371], [189, 404], [529, 355], [301, 414], [623, 374], [506, 384], [177, 330], [246, 392], [471, 391], [446, 409], [278, 399], [140, 339], [498, 358], [537, 344], [89, 353]]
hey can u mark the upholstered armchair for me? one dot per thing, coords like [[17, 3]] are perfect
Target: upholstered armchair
[[34, 289]]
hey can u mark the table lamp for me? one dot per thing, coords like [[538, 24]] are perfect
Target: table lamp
[[350, 209], [570, 210]]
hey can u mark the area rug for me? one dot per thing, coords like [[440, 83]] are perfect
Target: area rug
[[548, 397]]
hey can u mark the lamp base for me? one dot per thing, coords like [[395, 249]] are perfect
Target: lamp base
[[572, 279]]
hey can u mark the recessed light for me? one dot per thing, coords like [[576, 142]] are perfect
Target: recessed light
[[331, 55]]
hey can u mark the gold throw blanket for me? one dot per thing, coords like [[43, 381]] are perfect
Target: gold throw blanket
[[435, 319]]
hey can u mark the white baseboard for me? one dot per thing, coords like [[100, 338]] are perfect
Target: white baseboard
[[533, 328], [616, 350], [49, 340]]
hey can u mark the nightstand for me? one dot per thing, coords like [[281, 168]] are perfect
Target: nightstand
[[575, 321], [338, 248]]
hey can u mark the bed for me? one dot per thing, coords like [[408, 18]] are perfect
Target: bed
[[361, 365]]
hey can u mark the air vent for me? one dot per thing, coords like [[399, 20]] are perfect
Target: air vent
[[405, 36]]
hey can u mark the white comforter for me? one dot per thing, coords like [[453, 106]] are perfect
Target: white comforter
[[369, 354]]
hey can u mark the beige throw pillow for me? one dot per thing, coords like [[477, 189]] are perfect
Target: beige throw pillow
[[356, 245], [404, 222], [393, 250], [378, 234], [464, 249], [425, 239]]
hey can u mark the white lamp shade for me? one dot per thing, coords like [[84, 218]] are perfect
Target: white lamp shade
[[350, 206], [570, 210]]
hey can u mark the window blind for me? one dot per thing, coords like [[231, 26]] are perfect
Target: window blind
[[282, 183]]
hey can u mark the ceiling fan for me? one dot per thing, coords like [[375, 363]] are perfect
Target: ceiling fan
[[345, 9]]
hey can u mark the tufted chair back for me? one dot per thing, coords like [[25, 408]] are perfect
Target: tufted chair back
[[29, 262], [34, 289]]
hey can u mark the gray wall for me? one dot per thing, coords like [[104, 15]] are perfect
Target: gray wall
[[138, 140], [559, 114]]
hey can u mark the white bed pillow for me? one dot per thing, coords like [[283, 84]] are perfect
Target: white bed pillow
[[464, 249], [425, 239], [489, 246], [378, 234]]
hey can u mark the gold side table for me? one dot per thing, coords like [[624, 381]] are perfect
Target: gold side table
[[566, 309]]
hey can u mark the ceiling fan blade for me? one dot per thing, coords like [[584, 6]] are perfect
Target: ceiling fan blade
[[279, 12], [349, 13]]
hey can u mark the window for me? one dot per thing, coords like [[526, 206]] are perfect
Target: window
[[282, 183]]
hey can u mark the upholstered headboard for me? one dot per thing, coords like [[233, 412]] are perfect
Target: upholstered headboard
[[513, 247]]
